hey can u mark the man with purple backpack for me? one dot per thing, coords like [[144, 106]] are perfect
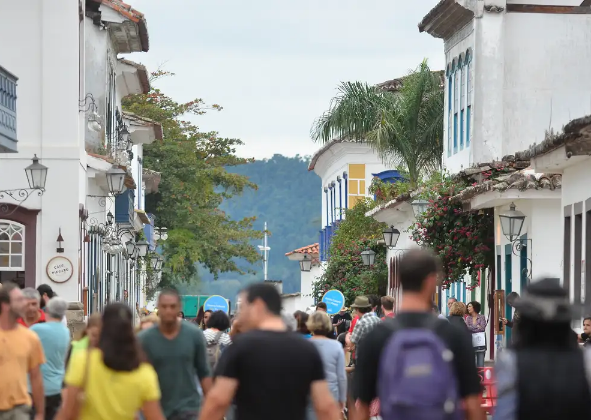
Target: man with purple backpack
[[420, 367]]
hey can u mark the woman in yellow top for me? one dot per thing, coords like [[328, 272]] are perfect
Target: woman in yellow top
[[113, 381]]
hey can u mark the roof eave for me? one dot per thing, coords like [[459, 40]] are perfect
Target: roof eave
[[446, 18]]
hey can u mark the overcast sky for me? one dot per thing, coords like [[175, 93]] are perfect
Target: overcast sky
[[274, 65]]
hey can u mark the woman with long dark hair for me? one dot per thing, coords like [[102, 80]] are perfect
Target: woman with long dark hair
[[544, 376], [113, 380]]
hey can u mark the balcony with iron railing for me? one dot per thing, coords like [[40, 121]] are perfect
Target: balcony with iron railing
[[8, 140]]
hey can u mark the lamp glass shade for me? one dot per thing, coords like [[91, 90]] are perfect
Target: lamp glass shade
[[306, 263], [512, 222], [109, 218], [391, 236], [419, 206], [368, 257], [130, 248], [116, 180], [159, 263], [94, 122], [36, 174], [142, 247]]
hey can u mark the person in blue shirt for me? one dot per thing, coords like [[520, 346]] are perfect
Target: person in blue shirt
[[55, 339]]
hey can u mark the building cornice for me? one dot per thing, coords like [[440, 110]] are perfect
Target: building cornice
[[445, 19]]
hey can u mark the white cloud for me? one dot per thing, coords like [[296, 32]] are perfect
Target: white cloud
[[274, 65]]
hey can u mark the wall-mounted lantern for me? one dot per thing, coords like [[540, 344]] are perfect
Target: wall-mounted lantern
[[306, 263], [391, 236], [368, 257], [60, 239]]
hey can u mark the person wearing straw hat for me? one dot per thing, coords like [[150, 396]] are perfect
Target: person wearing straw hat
[[545, 375], [367, 319]]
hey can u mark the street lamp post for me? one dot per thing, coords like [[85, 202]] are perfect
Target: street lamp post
[[368, 257], [36, 178], [391, 236]]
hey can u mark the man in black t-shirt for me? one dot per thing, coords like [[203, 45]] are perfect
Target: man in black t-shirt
[[418, 276], [268, 372], [340, 321]]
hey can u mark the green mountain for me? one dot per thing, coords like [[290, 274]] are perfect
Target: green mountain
[[288, 198]]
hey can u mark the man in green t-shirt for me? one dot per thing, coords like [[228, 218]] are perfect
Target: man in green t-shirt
[[178, 351]]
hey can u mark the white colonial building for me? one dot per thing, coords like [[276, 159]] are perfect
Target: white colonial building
[[71, 80], [515, 70]]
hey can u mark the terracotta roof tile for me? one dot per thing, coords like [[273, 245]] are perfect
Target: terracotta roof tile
[[135, 16], [395, 85], [145, 120], [129, 181], [552, 141], [310, 249]]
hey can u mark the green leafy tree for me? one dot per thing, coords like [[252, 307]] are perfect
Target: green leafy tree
[[345, 270], [194, 184], [405, 127]]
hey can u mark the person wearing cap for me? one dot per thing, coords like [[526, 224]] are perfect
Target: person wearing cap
[[47, 293], [340, 320], [55, 339], [367, 319], [545, 375]]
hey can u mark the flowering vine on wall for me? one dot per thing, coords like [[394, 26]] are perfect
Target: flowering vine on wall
[[463, 239]]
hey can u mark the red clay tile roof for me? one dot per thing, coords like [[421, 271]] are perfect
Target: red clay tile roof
[[310, 249], [130, 13]]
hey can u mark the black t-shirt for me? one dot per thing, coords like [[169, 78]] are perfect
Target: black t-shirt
[[342, 327], [274, 370], [370, 351]]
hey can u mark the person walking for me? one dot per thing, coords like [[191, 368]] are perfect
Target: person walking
[[268, 371], [476, 323], [177, 350], [439, 355], [47, 293], [55, 340], [112, 381], [32, 313], [545, 376], [456, 315], [367, 319], [21, 357], [216, 337], [514, 323], [333, 358], [387, 307]]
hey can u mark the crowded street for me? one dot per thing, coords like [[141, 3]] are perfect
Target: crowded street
[[305, 210]]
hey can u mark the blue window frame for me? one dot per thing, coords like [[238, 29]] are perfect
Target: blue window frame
[[455, 133], [468, 115], [462, 129]]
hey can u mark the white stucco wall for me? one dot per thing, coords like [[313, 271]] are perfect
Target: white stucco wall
[[291, 304], [336, 160], [575, 189], [307, 282], [46, 61]]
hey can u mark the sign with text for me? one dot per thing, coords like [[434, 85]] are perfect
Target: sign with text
[[334, 300], [216, 303], [59, 269]]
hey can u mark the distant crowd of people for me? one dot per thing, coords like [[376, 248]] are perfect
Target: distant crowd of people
[[261, 365]]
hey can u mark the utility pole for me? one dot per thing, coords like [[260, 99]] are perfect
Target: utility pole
[[265, 251]]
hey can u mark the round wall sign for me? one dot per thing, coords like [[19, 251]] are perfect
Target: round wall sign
[[59, 269], [216, 303], [335, 300]]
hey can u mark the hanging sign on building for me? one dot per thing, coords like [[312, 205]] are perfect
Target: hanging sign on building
[[335, 300], [216, 303], [59, 269]]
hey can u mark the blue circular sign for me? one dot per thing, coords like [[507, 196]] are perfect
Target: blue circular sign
[[216, 303], [334, 300]]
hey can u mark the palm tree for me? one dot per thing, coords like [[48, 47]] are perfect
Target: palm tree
[[405, 125]]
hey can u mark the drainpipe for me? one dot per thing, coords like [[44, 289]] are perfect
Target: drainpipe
[[326, 195], [339, 179]]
